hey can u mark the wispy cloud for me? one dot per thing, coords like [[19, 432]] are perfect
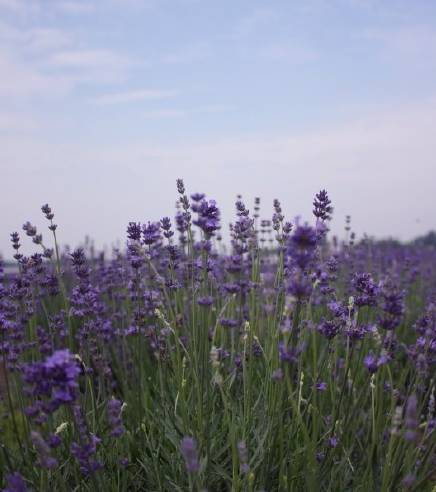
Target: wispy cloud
[[58, 73], [91, 66], [89, 59], [134, 96], [23, 80], [33, 40], [44, 61], [165, 113], [184, 112]]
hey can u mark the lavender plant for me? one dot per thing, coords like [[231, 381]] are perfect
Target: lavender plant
[[287, 362]]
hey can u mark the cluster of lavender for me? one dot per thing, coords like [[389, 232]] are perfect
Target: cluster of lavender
[[283, 360]]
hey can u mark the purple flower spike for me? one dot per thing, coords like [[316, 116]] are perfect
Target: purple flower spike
[[208, 217], [366, 290], [43, 450], [114, 417], [370, 363], [134, 231], [15, 483], [321, 386], [188, 448], [322, 208], [151, 233], [411, 418]]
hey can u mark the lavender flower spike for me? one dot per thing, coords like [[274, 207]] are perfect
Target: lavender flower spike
[[188, 448]]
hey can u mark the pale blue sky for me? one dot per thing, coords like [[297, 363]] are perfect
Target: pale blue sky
[[104, 103]]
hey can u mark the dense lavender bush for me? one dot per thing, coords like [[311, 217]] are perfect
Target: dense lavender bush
[[285, 362]]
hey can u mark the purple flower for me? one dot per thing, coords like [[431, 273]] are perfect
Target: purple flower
[[182, 221], [337, 308], [197, 197], [123, 462], [49, 215], [356, 332], [205, 301], [231, 288], [15, 483], [287, 354], [321, 386], [56, 378], [46, 210], [333, 441], [287, 227], [299, 285], [370, 362], [165, 224], [320, 456], [208, 217], [329, 328], [180, 186], [134, 231], [322, 209], [114, 417], [277, 375], [29, 229], [15, 239], [229, 322], [411, 418], [243, 457], [393, 307], [84, 453], [408, 481], [243, 229], [54, 441], [43, 450], [151, 233], [188, 448], [366, 290], [80, 266], [302, 246]]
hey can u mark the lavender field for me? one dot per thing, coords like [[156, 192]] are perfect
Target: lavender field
[[282, 360]]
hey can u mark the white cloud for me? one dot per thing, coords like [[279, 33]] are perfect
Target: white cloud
[[78, 59], [134, 96], [19, 79], [33, 40], [165, 113], [43, 61], [184, 112], [91, 66]]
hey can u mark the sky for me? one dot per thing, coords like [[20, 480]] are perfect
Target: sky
[[105, 103]]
